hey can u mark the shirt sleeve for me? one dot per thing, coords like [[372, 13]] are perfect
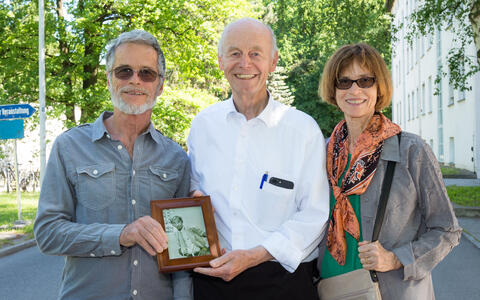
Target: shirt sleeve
[[55, 228], [441, 232], [194, 181], [299, 236]]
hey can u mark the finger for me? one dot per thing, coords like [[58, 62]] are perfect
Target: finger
[[153, 240], [155, 230], [146, 246], [363, 243], [196, 193], [205, 271], [219, 261], [155, 225], [223, 251]]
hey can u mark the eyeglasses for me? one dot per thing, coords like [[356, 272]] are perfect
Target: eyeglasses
[[363, 82], [126, 72]]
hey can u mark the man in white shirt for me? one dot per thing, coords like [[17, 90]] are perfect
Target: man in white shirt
[[263, 164]]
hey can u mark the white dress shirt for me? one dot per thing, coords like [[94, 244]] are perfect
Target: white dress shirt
[[229, 157]]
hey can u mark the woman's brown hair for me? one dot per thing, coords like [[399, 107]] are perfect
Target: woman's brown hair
[[367, 57]]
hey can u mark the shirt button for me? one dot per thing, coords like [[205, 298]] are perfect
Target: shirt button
[[133, 172], [134, 292], [133, 201], [113, 252], [92, 254], [95, 172], [135, 262], [108, 136], [119, 147], [164, 175]]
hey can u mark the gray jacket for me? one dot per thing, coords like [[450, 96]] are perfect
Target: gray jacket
[[420, 226]]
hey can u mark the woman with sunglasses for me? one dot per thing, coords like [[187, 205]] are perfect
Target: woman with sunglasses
[[419, 228]]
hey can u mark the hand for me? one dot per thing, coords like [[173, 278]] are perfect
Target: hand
[[146, 232], [230, 264], [196, 193], [374, 257]]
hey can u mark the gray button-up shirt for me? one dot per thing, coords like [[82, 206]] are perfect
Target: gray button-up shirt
[[91, 190]]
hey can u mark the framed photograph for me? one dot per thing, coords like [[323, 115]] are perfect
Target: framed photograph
[[192, 234]]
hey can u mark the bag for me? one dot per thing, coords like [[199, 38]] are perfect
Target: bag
[[360, 284], [356, 285]]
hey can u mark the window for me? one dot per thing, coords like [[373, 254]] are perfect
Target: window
[[414, 113], [418, 104], [451, 160], [430, 94], [409, 109], [422, 44], [451, 98], [422, 106]]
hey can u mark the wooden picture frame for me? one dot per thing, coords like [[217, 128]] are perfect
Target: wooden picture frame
[[189, 224]]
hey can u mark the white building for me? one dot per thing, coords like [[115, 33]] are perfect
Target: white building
[[450, 121]]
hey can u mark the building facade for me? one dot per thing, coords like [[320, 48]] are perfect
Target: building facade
[[446, 118]]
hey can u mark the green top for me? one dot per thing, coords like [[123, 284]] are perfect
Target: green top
[[330, 267]]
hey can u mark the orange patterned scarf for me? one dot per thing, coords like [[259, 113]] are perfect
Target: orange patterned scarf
[[364, 160]]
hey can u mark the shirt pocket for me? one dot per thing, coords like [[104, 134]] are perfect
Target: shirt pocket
[[163, 183], [96, 185], [273, 205]]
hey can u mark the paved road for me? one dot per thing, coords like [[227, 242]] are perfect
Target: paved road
[[456, 277], [31, 275]]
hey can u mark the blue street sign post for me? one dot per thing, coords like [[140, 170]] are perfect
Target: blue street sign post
[[11, 127]]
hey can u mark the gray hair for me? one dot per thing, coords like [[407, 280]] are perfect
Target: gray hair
[[137, 37], [222, 37]]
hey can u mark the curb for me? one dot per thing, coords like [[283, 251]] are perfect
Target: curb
[[471, 238], [15, 248], [469, 212]]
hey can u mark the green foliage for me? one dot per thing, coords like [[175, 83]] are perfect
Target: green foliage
[[76, 33], [279, 90], [464, 195], [309, 31], [175, 110], [462, 18]]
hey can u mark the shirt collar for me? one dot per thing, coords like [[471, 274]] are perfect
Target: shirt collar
[[391, 149], [99, 129], [270, 114]]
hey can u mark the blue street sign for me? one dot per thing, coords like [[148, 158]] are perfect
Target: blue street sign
[[16, 111], [11, 129]]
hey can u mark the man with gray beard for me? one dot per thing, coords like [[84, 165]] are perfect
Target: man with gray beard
[[94, 206]]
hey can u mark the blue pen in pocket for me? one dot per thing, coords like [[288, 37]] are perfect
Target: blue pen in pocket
[[264, 178]]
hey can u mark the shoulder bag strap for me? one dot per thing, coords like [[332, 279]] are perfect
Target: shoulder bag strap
[[382, 204]]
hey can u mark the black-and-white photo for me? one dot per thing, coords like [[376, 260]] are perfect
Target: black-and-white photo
[[186, 232]]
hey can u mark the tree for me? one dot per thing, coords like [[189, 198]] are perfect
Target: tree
[[309, 31], [278, 88], [77, 32], [462, 18]]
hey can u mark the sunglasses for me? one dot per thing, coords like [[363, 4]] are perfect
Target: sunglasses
[[363, 82], [145, 74]]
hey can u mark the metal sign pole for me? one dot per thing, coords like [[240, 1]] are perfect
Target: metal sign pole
[[41, 84], [18, 183]]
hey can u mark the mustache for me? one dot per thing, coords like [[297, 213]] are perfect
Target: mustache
[[128, 89]]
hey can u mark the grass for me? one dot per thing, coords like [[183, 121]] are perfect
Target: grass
[[449, 171], [464, 195], [8, 213]]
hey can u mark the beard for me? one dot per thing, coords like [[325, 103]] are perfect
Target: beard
[[131, 108]]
